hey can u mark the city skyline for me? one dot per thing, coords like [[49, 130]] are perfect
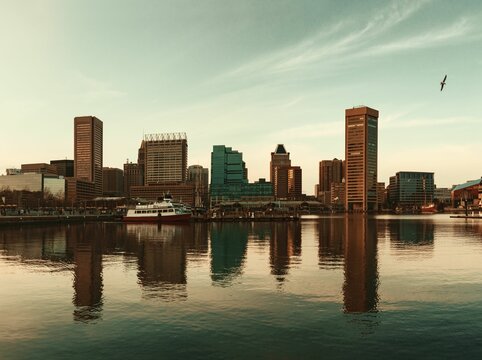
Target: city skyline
[[248, 75]]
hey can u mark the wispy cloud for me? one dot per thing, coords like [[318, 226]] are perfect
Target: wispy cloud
[[338, 45], [329, 43], [435, 37]]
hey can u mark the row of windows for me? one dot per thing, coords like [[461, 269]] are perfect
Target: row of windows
[[154, 211]]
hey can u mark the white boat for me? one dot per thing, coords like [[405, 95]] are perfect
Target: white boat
[[159, 211]]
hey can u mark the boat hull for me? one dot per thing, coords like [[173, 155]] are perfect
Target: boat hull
[[157, 219]]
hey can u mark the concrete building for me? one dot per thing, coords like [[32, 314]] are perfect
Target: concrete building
[[88, 156], [442, 195], [361, 156], [113, 182], [164, 158]]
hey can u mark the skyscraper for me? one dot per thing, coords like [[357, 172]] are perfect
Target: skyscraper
[[278, 158], [88, 151], [163, 158], [361, 152], [199, 176]]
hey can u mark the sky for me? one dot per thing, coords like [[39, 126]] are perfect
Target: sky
[[245, 74]]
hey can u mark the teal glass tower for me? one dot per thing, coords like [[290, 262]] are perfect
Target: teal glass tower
[[229, 178]]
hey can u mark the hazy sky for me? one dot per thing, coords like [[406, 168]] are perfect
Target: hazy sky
[[247, 74]]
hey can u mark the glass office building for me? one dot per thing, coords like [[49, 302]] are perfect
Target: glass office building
[[229, 178]]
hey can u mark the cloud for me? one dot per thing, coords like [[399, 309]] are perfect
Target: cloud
[[435, 37], [328, 44]]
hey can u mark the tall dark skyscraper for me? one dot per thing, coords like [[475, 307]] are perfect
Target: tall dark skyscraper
[[361, 155], [88, 140], [280, 157]]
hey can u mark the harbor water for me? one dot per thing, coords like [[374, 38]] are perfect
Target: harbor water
[[336, 287]]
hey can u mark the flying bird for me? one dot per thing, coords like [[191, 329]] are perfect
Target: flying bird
[[442, 84]]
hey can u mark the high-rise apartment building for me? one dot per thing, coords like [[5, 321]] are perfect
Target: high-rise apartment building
[[361, 156], [163, 158], [88, 139]]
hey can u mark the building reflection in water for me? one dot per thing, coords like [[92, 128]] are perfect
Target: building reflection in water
[[285, 244], [412, 234], [331, 242], [88, 285], [360, 289], [229, 242], [161, 260]]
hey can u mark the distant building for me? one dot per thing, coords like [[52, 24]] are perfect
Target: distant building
[[361, 156], [13, 171], [39, 168], [32, 189], [182, 192], [288, 180], [330, 171], [280, 157], [442, 195], [164, 158], [469, 193], [88, 147], [381, 195], [113, 182], [132, 177], [64, 168], [199, 177], [229, 178], [411, 188]]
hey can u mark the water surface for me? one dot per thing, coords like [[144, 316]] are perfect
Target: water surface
[[334, 287]]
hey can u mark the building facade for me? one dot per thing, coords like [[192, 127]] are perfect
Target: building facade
[[163, 158], [288, 183], [113, 182], [468, 193], [39, 168], [64, 167], [229, 178], [88, 151], [280, 157], [361, 157], [330, 171], [132, 177], [199, 177], [411, 189]]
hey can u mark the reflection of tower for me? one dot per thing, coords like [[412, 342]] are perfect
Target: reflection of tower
[[361, 273], [284, 244], [417, 234], [331, 232], [228, 251], [162, 261], [87, 274]]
